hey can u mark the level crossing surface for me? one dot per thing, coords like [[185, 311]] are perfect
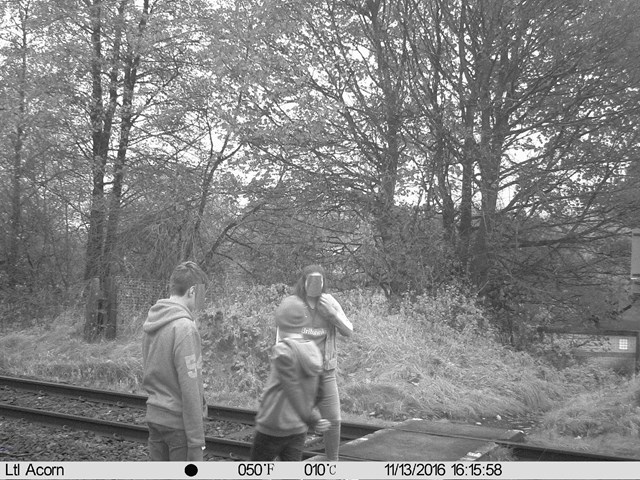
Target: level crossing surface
[[420, 440]]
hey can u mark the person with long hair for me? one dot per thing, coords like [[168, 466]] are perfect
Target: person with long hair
[[327, 319]]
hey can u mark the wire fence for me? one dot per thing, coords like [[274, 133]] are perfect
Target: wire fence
[[136, 294]]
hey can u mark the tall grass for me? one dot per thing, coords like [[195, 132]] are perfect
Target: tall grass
[[438, 357], [435, 358], [54, 350]]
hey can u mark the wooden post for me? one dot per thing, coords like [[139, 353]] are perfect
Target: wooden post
[[101, 311], [635, 263], [110, 308], [635, 282], [94, 312]]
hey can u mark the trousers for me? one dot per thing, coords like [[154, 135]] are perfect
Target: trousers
[[329, 406], [268, 447], [166, 444]]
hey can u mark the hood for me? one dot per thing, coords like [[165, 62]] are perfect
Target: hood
[[163, 312], [309, 356]]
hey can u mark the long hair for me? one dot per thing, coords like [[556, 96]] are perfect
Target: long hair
[[300, 290]]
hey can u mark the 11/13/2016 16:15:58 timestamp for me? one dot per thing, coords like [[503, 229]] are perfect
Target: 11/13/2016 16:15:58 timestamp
[[462, 470]]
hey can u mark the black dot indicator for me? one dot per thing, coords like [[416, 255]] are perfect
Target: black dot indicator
[[191, 470]]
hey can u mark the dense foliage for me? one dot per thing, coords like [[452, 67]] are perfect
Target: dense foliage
[[405, 145]]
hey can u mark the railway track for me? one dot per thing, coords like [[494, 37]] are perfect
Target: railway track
[[349, 430], [529, 452], [541, 453], [228, 448], [218, 447]]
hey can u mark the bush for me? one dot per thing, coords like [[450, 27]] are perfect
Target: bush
[[243, 331], [452, 307]]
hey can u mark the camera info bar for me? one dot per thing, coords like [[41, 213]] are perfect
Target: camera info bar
[[317, 470]]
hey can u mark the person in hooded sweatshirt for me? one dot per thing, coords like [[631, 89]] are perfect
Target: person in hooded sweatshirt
[[172, 358], [288, 404]]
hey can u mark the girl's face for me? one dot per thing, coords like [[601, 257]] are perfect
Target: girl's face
[[313, 284]]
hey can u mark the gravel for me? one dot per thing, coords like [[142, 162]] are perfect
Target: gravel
[[23, 441]]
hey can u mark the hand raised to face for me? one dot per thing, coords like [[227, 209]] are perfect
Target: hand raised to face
[[326, 307]]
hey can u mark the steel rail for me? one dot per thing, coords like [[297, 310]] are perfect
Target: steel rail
[[73, 390], [220, 447], [531, 452], [238, 450], [216, 446], [349, 430], [535, 452]]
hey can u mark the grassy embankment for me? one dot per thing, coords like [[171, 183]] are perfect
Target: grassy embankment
[[432, 359]]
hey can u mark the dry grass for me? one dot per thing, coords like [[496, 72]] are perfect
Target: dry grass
[[609, 413], [55, 350], [423, 363], [413, 364]]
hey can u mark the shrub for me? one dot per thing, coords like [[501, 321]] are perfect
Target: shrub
[[242, 330], [452, 307]]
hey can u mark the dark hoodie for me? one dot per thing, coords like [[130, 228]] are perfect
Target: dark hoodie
[[172, 356], [288, 403]]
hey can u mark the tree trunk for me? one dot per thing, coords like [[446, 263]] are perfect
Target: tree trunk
[[16, 183], [467, 112], [390, 82], [98, 261], [16, 198], [111, 254]]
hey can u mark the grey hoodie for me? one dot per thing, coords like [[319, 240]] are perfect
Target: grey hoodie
[[287, 406], [172, 357]]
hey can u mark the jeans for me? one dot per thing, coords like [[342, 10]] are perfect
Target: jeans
[[166, 444], [329, 407], [267, 447]]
